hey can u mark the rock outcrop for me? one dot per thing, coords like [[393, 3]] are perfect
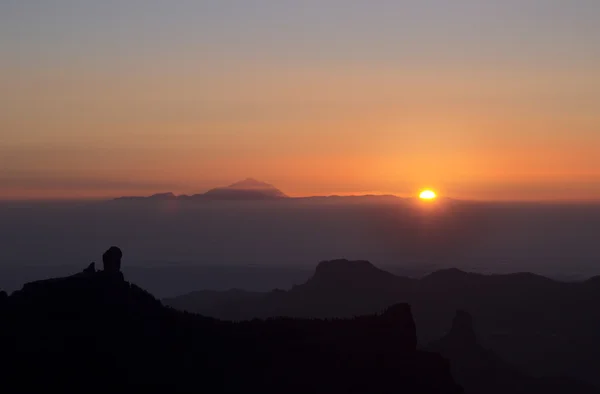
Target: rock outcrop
[[90, 330], [462, 333], [482, 371], [112, 260], [91, 269], [544, 327], [398, 319], [356, 275]]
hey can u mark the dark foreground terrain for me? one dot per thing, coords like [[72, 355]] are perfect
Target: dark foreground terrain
[[94, 331], [544, 327]]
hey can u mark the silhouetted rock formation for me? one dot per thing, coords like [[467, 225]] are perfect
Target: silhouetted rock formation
[[91, 269], [112, 260], [400, 320], [96, 332], [349, 273], [462, 331], [482, 371], [516, 314]]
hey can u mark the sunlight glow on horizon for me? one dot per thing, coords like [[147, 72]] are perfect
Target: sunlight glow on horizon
[[428, 195], [316, 97]]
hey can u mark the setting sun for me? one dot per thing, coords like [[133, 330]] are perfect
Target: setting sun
[[427, 195]]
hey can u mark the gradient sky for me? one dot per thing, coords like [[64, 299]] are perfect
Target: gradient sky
[[477, 99]]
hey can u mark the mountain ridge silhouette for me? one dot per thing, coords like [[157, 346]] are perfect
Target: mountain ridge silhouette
[[516, 313], [94, 331]]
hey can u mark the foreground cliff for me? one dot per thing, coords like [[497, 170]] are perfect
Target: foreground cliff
[[94, 331]]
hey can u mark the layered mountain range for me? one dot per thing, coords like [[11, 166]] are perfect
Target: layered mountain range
[[96, 331], [544, 327]]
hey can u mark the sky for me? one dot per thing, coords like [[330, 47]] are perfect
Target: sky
[[477, 99]]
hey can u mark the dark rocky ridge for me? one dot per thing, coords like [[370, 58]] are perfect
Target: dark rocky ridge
[[543, 327], [94, 331]]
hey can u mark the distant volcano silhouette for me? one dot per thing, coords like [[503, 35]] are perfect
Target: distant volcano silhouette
[[248, 189], [254, 190]]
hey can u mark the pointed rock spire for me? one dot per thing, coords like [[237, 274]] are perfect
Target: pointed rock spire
[[112, 260], [462, 329], [399, 319]]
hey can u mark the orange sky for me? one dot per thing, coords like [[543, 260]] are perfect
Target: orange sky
[[140, 110]]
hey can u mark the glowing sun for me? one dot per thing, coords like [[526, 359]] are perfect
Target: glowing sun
[[427, 195]]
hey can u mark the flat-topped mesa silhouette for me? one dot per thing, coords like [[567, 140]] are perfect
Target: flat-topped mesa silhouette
[[358, 274]]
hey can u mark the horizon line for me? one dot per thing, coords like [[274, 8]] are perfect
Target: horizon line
[[67, 199]]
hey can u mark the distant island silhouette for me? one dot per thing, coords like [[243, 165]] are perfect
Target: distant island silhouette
[[247, 189], [251, 190]]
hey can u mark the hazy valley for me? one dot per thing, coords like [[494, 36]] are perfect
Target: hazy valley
[[174, 247]]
